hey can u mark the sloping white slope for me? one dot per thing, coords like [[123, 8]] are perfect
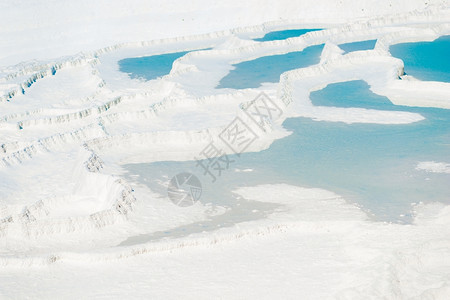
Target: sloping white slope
[[41, 30], [316, 246]]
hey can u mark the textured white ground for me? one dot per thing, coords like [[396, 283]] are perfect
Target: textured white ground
[[69, 119], [434, 167]]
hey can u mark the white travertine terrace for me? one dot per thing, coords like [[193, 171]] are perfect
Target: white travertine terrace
[[68, 121]]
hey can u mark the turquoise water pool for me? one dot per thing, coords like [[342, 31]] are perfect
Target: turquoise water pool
[[250, 74], [425, 60], [372, 165], [149, 67], [284, 34], [358, 46]]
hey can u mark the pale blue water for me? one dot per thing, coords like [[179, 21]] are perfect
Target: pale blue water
[[250, 74], [372, 165], [425, 60], [284, 34], [150, 67], [358, 46]]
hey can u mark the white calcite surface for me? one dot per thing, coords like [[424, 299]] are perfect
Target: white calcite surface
[[434, 167], [69, 119]]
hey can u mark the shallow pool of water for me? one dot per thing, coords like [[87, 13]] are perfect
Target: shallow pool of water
[[358, 46], [284, 34], [250, 74], [149, 67], [372, 165], [425, 60]]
